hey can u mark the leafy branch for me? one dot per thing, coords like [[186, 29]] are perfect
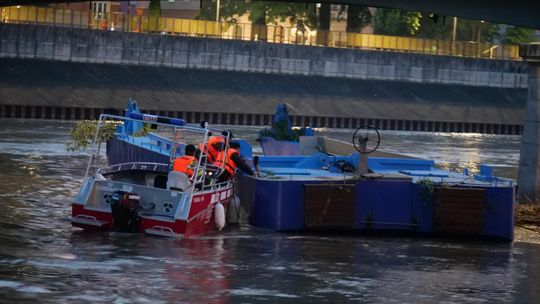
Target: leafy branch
[[83, 132], [427, 189]]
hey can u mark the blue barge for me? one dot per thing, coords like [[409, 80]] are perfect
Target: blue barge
[[324, 191], [398, 195]]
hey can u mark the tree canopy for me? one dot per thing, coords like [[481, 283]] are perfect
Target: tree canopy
[[300, 14], [515, 35], [431, 26], [386, 21], [397, 22], [154, 8], [357, 17]]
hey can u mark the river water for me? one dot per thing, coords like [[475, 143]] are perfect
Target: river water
[[44, 260]]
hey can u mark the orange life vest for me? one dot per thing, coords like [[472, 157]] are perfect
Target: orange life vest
[[230, 166], [212, 152], [185, 164]]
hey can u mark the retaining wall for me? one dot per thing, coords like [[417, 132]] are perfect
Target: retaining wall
[[92, 46], [249, 119], [50, 89]]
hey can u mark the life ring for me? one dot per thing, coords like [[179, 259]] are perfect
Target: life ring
[[219, 216]]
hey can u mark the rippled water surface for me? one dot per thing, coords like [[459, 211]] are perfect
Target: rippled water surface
[[44, 260]]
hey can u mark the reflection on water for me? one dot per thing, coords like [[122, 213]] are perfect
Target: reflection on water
[[44, 259], [451, 150]]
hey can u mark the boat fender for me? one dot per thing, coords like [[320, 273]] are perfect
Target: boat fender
[[219, 214]]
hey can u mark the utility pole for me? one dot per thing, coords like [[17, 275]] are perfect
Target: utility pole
[[217, 11], [454, 29]]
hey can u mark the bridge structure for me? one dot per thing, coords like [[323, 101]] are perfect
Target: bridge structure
[[529, 159]]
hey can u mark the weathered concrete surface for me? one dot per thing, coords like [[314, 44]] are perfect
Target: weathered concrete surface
[[53, 83], [80, 45], [529, 160]]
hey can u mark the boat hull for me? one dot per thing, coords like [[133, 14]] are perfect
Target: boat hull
[[382, 204], [202, 224], [187, 216]]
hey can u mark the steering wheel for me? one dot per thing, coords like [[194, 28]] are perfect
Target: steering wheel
[[366, 139]]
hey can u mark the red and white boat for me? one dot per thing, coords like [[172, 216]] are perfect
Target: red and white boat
[[149, 197]]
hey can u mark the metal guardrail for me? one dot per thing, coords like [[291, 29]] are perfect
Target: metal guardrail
[[252, 32], [145, 166]]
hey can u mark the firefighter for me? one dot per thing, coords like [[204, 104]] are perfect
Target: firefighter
[[215, 145], [187, 162], [230, 161]]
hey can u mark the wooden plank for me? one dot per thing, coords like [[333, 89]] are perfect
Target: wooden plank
[[329, 206], [459, 210], [459, 215], [454, 211], [476, 228], [476, 225], [460, 195], [458, 229], [464, 209], [460, 202], [459, 221], [317, 211], [460, 192]]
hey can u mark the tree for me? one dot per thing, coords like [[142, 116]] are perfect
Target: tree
[[262, 13], [299, 14], [228, 10], [515, 35], [258, 13], [154, 9], [432, 26], [435, 27], [323, 34], [476, 30], [357, 17], [396, 22]]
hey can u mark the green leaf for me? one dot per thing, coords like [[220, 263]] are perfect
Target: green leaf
[[83, 132]]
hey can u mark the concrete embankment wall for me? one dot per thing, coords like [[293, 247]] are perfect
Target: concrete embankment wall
[[80, 45], [62, 73], [66, 90]]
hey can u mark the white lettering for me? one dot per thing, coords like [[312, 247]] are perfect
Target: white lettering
[[208, 216], [149, 117]]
